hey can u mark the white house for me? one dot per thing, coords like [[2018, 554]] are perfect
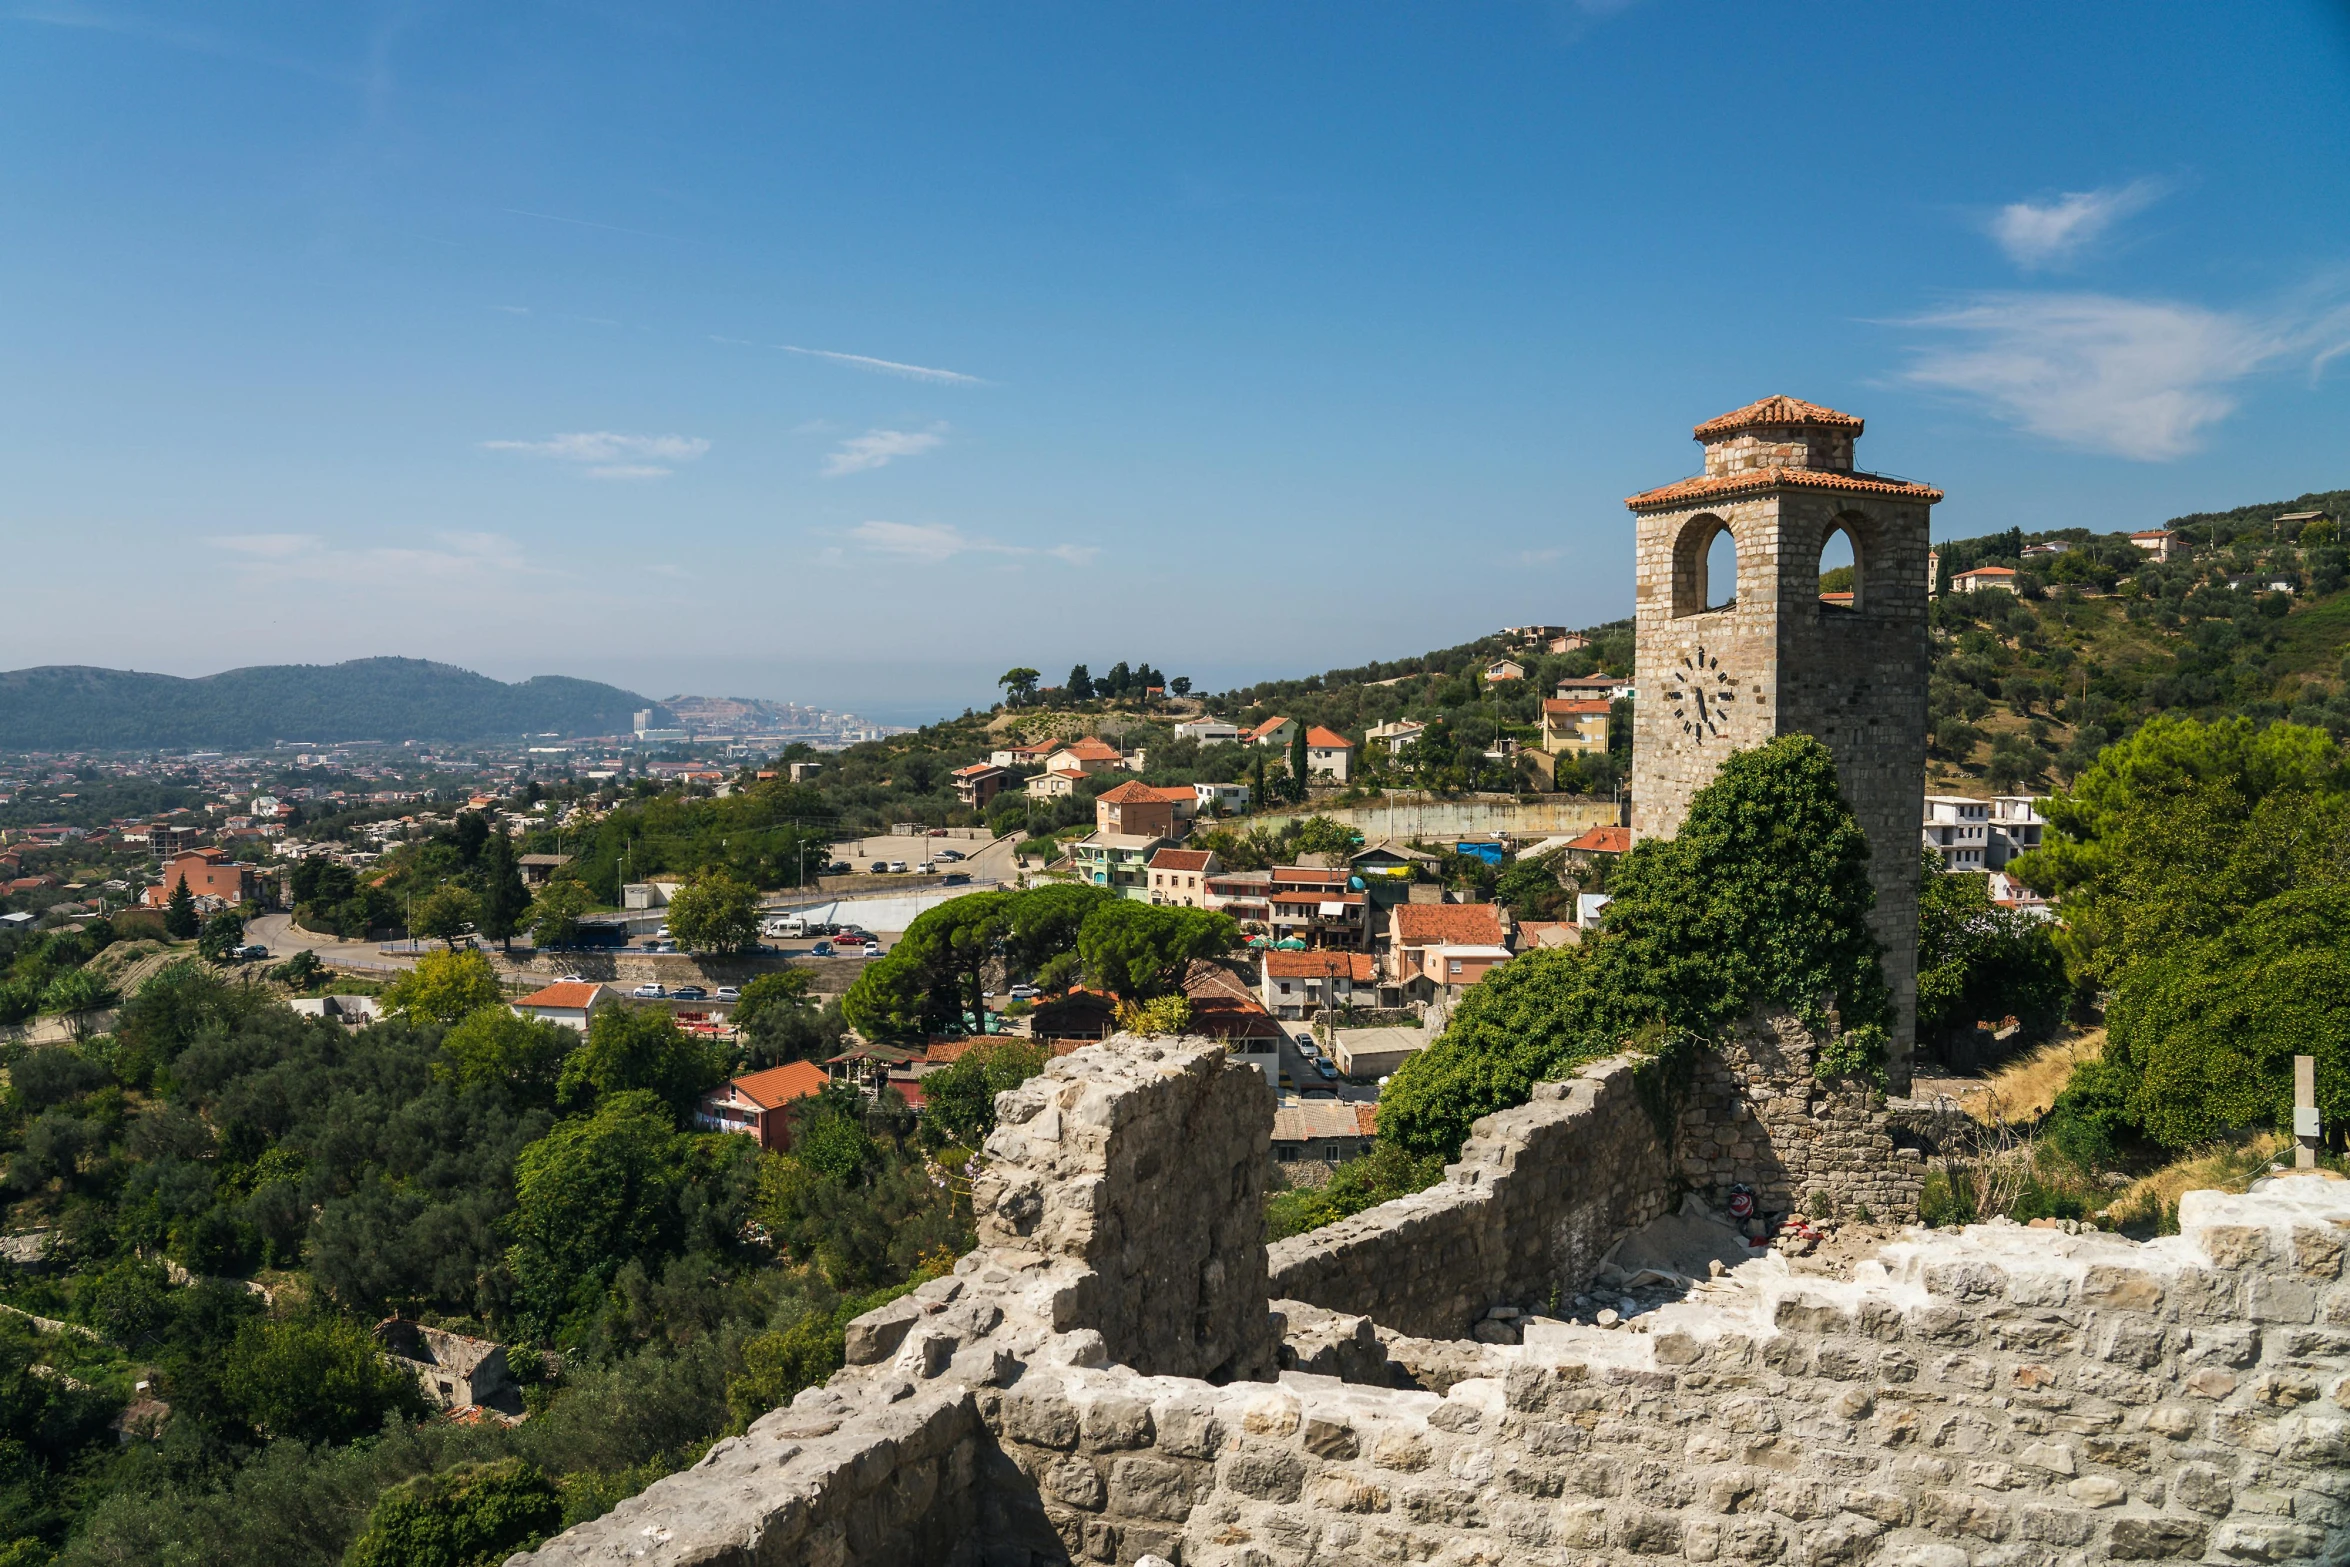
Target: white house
[[570, 1003], [1223, 796], [1329, 755], [1207, 731], [1959, 829], [1984, 579]]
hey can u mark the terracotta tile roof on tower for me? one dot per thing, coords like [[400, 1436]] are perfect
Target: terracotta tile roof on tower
[[1776, 411], [1719, 485]]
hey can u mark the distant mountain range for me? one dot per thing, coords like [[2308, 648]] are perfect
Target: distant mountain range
[[67, 707]]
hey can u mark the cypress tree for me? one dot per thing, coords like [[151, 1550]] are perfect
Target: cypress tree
[[179, 916], [504, 899], [1297, 762]]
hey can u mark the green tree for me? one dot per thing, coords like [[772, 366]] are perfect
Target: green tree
[[555, 912], [960, 1098], [1297, 762], [180, 920], [470, 1515], [444, 914], [315, 1378], [75, 990], [591, 1194], [222, 935], [1019, 685], [1977, 960], [641, 1048], [1334, 841], [300, 972], [715, 913], [2172, 835], [2204, 1036], [505, 902], [444, 987], [523, 1056], [1137, 950]]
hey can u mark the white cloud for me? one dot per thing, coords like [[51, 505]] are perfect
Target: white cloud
[[879, 448], [887, 366], [2049, 234], [932, 542], [305, 557], [609, 454], [2135, 378]]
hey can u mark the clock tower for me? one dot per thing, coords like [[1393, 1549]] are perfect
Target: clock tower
[[1754, 649]]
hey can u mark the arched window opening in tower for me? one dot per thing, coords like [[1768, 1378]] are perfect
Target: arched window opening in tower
[[1840, 586], [1721, 572]]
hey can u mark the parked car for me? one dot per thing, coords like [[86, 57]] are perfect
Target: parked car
[[689, 993], [837, 868], [1308, 1049], [650, 992], [948, 854], [729, 993], [1023, 993], [1326, 1069], [1305, 1041], [873, 949], [254, 951], [571, 979], [898, 866], [926, 867], [822, 949], [957, 879], [880, 866]]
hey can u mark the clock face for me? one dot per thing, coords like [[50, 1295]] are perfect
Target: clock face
[[1701, 693]]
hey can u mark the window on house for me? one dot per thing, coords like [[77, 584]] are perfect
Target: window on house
[[1456, 965]]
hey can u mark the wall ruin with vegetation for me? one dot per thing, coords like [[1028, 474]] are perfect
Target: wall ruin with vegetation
[[1997, 1394]]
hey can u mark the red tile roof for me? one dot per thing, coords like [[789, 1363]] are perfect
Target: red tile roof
[[1309, 875], [573, 995], [1447, 924], [1325, 740], [1220, 1016], [1180, 860], [1775, 411], [977, 768], [1092, 750], [780, 1085], [1605, 840], [1359, 967], [1574, 705], [1721, 485], [1127, 794], [1266, 728], [1985, 571]]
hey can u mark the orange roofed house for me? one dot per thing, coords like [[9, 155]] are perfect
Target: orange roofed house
[[1138, 810], [1574, 726], [1329, 755], [209, 873], [759, 1105], [569, 1002], [1176, 875], [1441, 949]]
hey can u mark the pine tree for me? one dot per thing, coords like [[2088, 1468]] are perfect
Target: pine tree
[[179, 915]]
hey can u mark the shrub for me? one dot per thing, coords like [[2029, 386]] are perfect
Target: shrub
[[471, 1515]]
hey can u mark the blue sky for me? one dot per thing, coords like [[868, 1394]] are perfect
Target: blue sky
[[852, 353]]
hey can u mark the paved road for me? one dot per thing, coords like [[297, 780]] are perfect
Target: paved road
[[275, 931]]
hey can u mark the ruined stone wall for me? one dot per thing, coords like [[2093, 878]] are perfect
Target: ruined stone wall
[[1150, 1176], [1540, 1192], [2000, 1395], [1755, 1114]]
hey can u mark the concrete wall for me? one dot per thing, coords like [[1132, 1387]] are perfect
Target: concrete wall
[[1540, 1192]]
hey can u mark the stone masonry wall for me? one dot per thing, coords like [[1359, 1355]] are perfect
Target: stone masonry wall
[[1156, 1189], [1540, 1192], [1993, 1397], [1756, 1114]]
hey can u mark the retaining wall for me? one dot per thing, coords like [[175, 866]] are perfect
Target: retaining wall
[[1406, 816]]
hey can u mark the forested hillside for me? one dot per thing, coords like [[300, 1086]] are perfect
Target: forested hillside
[[74, 707]]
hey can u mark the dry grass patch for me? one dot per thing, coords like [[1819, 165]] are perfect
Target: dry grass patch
[[2022, 1091]]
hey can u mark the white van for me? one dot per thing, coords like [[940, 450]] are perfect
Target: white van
[[789, 927]]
